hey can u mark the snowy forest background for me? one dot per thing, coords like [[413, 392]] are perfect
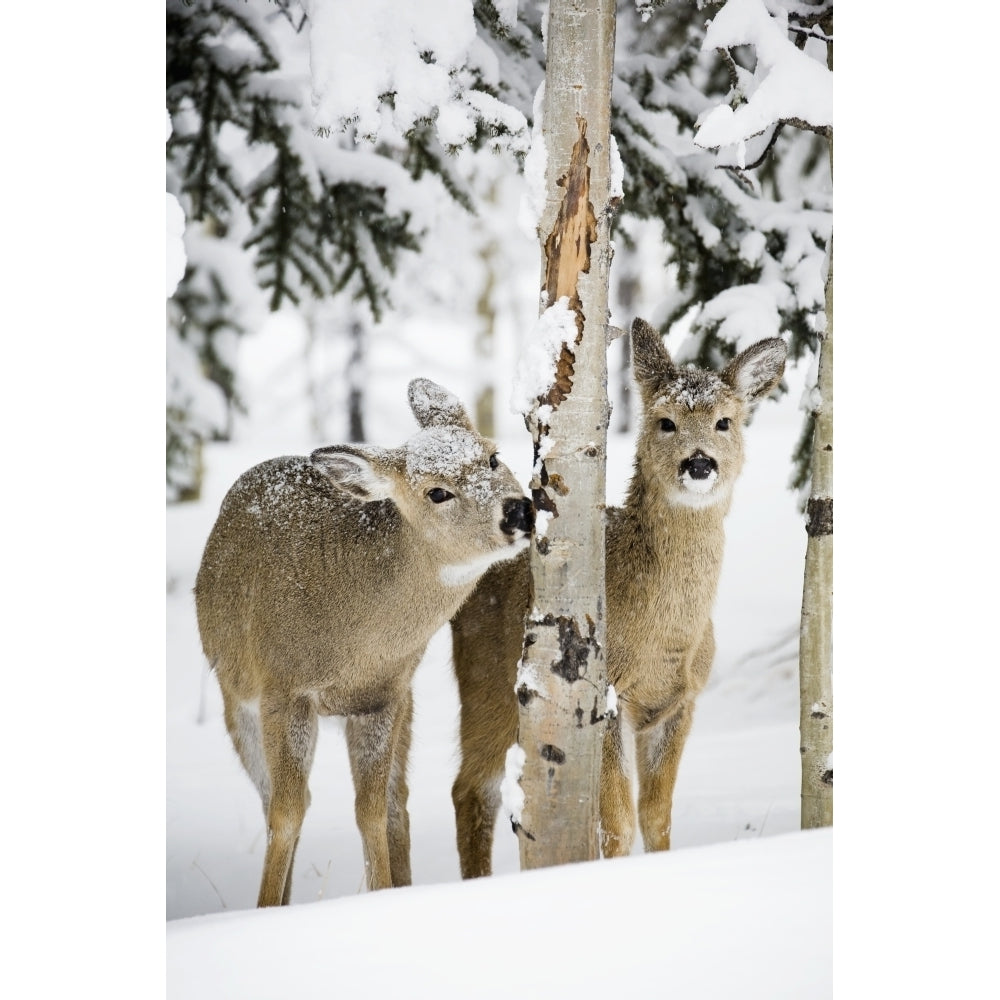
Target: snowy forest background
[[311, 195], [913, 584]]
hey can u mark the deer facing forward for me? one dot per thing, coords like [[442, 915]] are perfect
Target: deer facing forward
[[321, 584], [664, 551]]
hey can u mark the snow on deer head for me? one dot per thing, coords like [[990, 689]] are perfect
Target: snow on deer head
[[691, 443], [447, 482]]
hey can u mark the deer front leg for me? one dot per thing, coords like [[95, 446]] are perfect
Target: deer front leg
[[371, 742], [617, 808], [288, 731], [658, 756]]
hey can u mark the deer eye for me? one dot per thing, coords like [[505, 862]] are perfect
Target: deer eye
[[438, 495], [666, 424], [723, 424], [494, 461]]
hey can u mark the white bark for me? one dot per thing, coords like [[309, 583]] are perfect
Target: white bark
[[816, 637], [563, 697]]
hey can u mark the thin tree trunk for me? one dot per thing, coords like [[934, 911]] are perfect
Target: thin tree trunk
[[816, 638], [356, 383], [562, 684]]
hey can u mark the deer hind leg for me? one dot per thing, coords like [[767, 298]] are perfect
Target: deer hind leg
[[658, 756], [288, 738], [487, 637], [372, 742], [617, 807], [488, 728]]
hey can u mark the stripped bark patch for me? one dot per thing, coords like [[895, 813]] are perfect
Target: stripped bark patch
[[567, 253]]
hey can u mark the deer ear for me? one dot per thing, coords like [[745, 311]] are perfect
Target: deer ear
[[363, 473], [651, 363], [753, 373], [435, 406]]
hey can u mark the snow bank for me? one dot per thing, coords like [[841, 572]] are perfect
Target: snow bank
[[751, 919]]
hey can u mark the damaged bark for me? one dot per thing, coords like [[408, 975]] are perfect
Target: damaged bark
[[567, 253], [562, 692]]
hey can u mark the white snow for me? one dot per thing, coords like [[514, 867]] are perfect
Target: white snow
[[176, 259], [612, 701], [511, 792], [429, 42], [787, 82], [540, 351], [616, 181], [741, 881], [533, 200], [506, 12]]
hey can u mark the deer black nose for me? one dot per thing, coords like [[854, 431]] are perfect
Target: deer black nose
[[699, 466], [518, 515]]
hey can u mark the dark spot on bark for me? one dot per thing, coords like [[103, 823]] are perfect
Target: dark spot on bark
[[828, 447], [591, 452], [579, 716], [817, 715], [552, 754], [543, 501], [575, 650], [594, 716], [517, 828], [542, 544], [827, 777], [558, 484], [819, 517], [524, 695]]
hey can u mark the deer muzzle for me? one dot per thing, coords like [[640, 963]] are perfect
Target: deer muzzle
[[518, 515], [699, 466]]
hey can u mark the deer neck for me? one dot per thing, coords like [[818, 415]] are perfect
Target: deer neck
[[677, 533]]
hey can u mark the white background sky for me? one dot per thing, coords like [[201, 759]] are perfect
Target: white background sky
[[82, 740]]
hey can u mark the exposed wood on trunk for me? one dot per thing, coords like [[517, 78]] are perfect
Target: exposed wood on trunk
[[563, 684]]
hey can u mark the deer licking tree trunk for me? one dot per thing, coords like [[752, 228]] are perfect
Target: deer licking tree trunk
[[320, 585]]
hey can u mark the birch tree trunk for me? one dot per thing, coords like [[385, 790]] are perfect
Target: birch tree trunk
[[816, 635], [562, 684], [815, 641]]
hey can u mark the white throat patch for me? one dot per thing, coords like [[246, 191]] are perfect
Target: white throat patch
[[459, 574], [699, 493]]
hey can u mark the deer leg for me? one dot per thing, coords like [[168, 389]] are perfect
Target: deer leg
[[398, 796], [617, 807], [487, 637], [288, 732], [371, 742], [488, 728], [658, 756]]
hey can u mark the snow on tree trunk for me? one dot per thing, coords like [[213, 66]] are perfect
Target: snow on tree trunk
[[816, 639], [562, 684]]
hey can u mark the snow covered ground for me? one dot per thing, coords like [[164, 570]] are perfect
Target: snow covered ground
[[741, 906]]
